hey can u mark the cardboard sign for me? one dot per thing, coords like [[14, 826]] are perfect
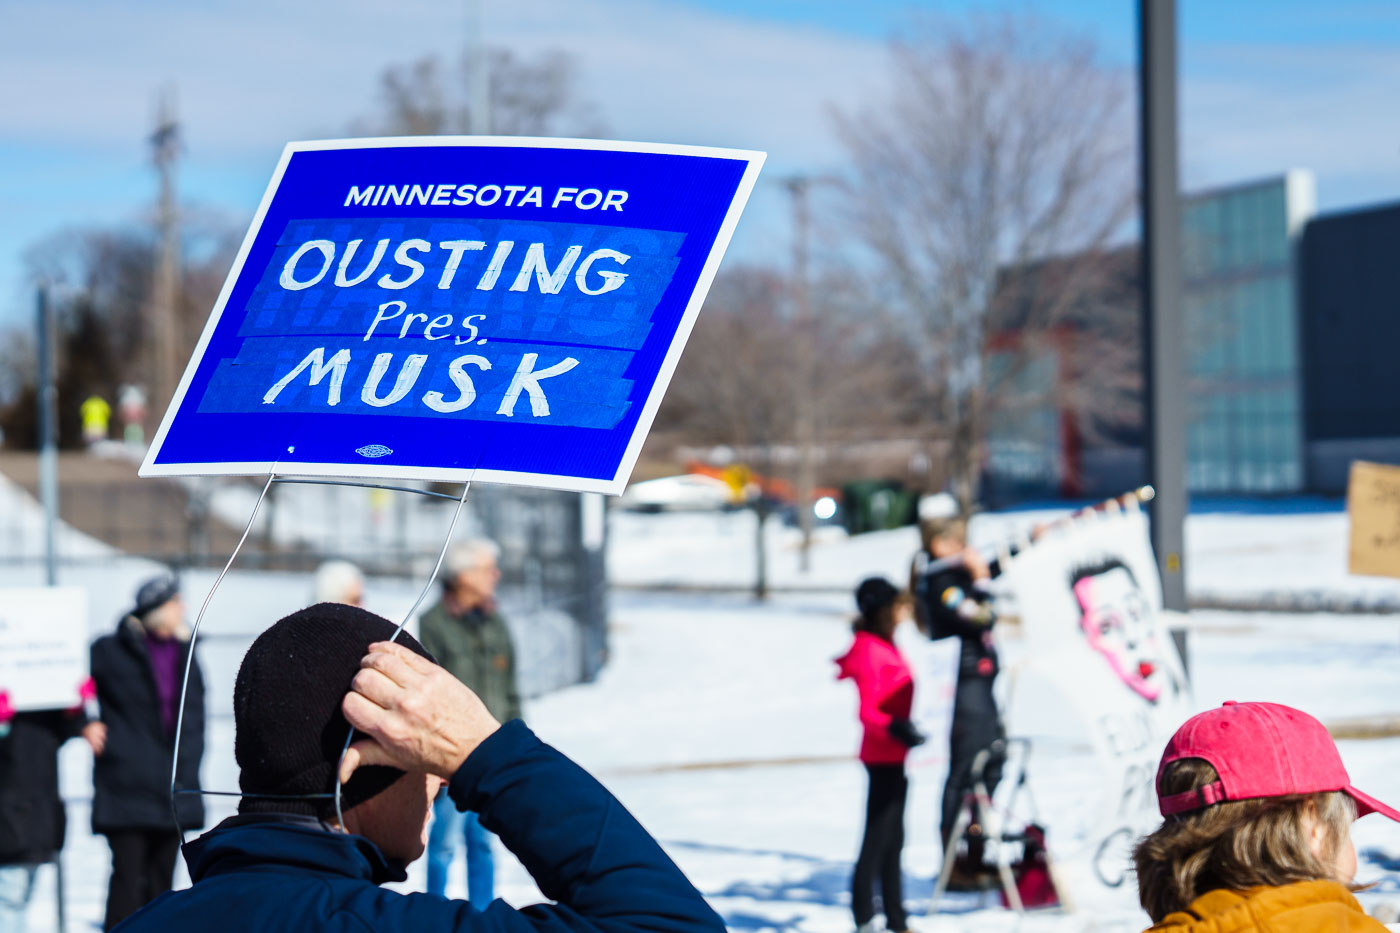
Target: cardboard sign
[[1373, 508], [456, 308], [43, 646]]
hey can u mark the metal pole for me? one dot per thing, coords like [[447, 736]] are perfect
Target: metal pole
[[798, 186], [760, 512], [1163, 328], [48, 436], [58, 892], [480, 90], [165, 286]]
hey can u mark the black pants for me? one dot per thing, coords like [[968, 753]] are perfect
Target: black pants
[[975, 726], [880, 850], [143, 867]]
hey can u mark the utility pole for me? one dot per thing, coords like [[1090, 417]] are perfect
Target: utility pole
[[1163, 326], [165, 285], [479, 120], [48, 435], [798, 187]]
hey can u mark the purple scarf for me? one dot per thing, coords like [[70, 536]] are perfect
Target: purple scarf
[[165, 668]]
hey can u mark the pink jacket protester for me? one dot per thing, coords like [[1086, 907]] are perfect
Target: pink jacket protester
[[886, 692]]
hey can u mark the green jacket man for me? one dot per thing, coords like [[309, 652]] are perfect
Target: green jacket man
[[467, 635], [466, 632]]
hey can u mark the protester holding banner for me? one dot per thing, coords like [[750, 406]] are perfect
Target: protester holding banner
[[949, 580], [138, 671], [292, 861], [1256, 836], [467, 635], [886, 689], [32, 817]]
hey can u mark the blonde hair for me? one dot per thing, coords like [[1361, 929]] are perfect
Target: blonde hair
[[930, 528], [1234, 845]]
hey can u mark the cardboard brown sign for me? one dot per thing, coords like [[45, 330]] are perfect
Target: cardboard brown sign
[[1373, 508]]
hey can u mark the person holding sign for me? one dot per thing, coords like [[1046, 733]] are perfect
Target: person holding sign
[[949, 582], [886, 698], [32, 817], [288, 864], [137, 671]]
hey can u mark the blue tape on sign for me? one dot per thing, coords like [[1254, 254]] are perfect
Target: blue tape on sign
[[540, 281], [445, 308], [579, 387]]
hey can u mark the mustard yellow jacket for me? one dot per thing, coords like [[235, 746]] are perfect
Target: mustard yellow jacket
[[1302, 907]]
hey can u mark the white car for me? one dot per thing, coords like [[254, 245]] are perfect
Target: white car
[[692, 492]]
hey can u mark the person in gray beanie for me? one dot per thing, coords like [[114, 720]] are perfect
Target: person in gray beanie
[[137, 671], [289, 862]]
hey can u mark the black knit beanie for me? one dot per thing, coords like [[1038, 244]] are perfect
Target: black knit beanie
[[874, 594], [289, 730]]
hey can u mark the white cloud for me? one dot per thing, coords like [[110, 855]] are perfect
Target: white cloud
[[1253, 110], [255, 74]]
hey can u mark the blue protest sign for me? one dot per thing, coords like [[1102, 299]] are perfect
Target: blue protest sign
[[502, 309]]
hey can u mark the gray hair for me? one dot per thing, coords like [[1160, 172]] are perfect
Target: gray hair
[[336, 581], [468, 555]]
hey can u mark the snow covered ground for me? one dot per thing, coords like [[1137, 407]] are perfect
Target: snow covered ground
[[718, 721], [1233, 548]]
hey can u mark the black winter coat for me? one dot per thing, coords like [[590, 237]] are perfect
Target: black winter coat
[[950, 605], [32, 819], [131, 778]]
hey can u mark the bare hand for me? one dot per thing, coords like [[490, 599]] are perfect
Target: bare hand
[[419, 717], [96, 735], [976, 564]]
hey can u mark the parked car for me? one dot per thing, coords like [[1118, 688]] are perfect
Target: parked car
[[691, 492]]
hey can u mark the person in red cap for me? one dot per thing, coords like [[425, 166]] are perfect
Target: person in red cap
[[1256, 834]]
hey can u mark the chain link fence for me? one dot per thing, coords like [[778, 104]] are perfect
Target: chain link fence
[[553, 584]]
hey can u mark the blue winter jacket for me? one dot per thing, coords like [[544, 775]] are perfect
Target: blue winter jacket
[[584, 850]]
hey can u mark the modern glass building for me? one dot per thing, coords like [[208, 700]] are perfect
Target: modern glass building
[[1245, 416], [1245, 428]]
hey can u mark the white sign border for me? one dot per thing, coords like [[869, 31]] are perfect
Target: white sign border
[[754, 162]]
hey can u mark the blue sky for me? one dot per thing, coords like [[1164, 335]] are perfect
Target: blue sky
[[1265, 87]]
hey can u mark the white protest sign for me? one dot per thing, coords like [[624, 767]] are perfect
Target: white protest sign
[[935, 667], [43, 646], [1099, 656]]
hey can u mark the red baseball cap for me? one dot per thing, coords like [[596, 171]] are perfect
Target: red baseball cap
[[1260, 750]]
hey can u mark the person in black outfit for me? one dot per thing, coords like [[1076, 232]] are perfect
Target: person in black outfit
[[949, 580], [32, 818], [138, 671]]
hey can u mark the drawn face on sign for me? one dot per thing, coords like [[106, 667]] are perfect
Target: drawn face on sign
[[1116, 621]]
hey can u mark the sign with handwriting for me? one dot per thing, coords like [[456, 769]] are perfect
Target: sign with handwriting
[[1373, 510], [454, 308]]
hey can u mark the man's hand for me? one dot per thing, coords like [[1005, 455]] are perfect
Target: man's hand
[[96, 735], [420, 718]]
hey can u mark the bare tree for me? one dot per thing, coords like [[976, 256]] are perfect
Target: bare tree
[[730, 387], [103, 326], [1004, 142], [528, 97]]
